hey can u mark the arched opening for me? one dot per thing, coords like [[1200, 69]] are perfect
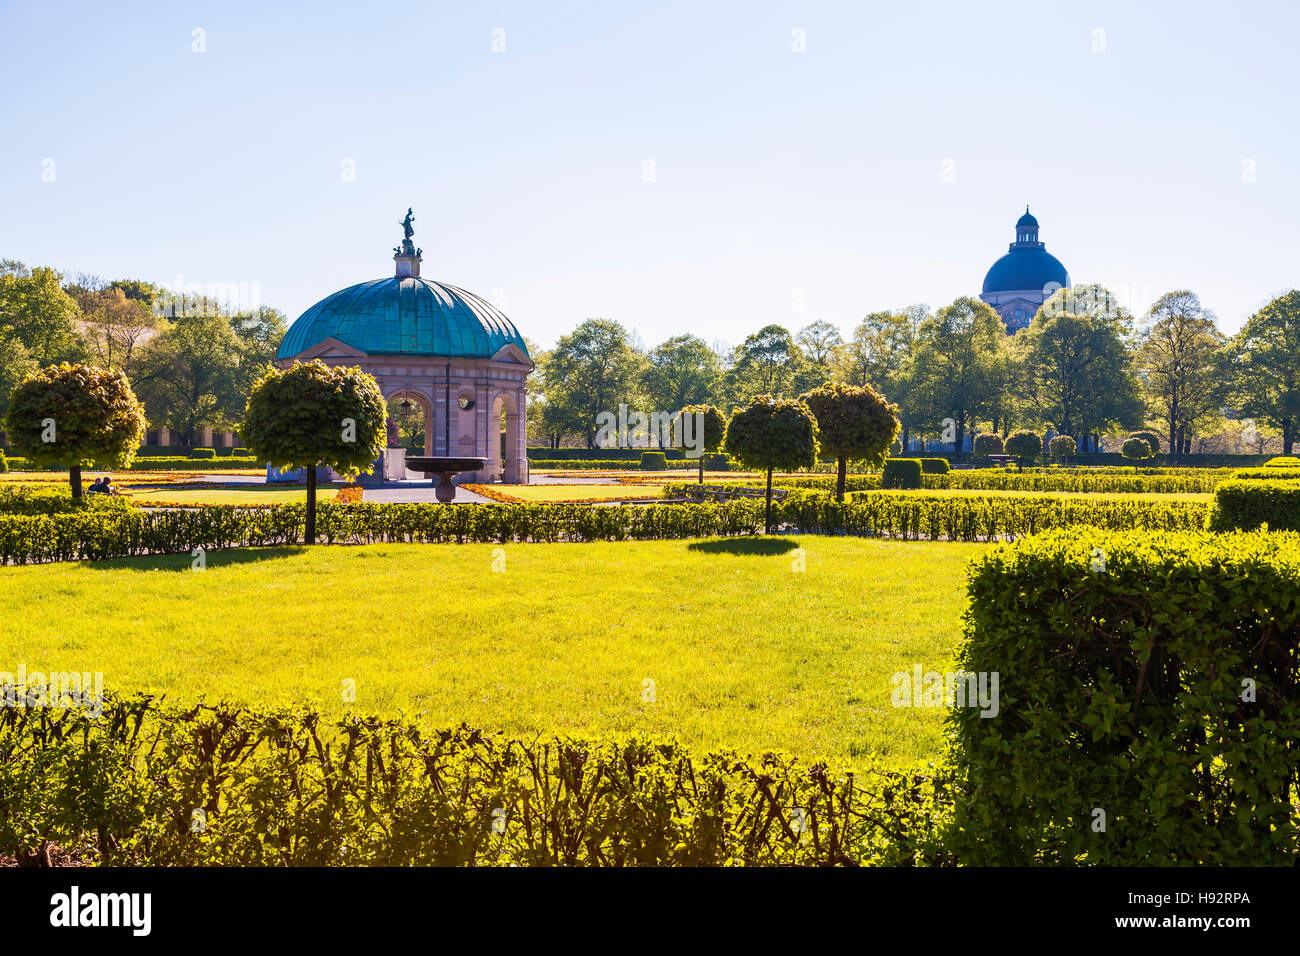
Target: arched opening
[[504, 439], [410, 413]]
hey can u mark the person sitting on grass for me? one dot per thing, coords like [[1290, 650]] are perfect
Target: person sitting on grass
[[97, 488], [108, 488]]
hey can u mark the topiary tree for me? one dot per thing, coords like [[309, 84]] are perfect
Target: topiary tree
[[1024, 445], [312, 415], [75, 416], [1061, 447], [1136, 449], [853, 422], [1151, 438], [769, 433], [715, 429], [988, 443]]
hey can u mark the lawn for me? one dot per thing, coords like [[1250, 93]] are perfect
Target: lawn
[[743, 649], [241, 495], [559, 493]]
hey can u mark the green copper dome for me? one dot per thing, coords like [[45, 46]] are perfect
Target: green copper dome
[[404, 315]]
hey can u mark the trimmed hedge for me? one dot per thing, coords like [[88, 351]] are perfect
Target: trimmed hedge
[[653, 461], [1267, 474], [1283, 462], [96, 535], [1147, 685], [55, 500], [218, 785], [901, 473], [203, 453], [1074, 480], [934, 466], [1249, 504]]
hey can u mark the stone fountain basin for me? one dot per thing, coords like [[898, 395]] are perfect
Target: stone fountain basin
[[443, 471]]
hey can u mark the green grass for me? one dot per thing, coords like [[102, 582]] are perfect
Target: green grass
[[744, 651], [557, 493], [247, 495]]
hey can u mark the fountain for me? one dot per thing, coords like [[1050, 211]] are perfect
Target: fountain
[[443, 471]]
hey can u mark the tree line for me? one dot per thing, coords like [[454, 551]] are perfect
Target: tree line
[[1084, 367], [192, 361]]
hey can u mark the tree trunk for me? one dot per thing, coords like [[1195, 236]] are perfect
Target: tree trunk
[[1288, 437], [701, 467], [839, 484], [767, 507], [74, 479], [311, 504], [906, 431]]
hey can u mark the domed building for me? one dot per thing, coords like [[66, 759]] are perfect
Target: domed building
[[1024, 278], [433, 345]]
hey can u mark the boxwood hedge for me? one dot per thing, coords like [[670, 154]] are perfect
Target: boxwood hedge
[[1149, 710], [1250, 503]]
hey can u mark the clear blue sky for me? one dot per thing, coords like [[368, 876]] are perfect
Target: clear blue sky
[[788, 186]]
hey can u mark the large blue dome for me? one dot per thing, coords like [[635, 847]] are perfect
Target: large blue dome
[[1025, 268], [404, 315]]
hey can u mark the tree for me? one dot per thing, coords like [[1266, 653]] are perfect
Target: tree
[[1177, 361], [820, 342], [956, 362], [35, 309], [853, 422], [680, 371], [768, 362], [987, 443], [1151, 438], [1024, 446], [715, 429], [190, 375], [312, 415], [772, 433], [1136, 449], [116, 326], [1077, 367], [76, 416], [589, 371], [1062, 447], [1265, 367], [16, 364]]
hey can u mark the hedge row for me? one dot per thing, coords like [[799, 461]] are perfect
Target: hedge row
[[31, 539], [159, 463], [1149, 704], [143, 785], [18, 500], [1252, 503], [1074, 481]]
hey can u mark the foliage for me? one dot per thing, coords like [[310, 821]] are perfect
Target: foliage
[[1249, 504], [1178, 363], [1265, 366], [203, 453], [934, 466], [1136, 449], [653, 461], [901, 473], [287, 788], [771, 433], [1146, 676], [958, 363], [1024, 446], [1151, 438], [853, 422], [90, 416], [987, 443], [191, 375], [1062, 447]]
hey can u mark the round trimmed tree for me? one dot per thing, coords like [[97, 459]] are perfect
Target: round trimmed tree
[[1024, 446], [76, 416], [1137, 449], [715, 429], [313, 414], [1062, 447], [988, 443], [769, 433], [1151, 438], [853, 422]]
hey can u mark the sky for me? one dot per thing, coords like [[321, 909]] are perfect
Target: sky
[[695, 167]]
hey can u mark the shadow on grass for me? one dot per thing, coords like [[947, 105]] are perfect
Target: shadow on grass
[[761, 547], [185, 562]]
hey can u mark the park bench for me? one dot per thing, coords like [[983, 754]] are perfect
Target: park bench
[[1001, 460]]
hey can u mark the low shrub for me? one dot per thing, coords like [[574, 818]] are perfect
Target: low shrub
[[654, 461], [203, 453], [1062, 447], [901, 473], [717, 461], [1076, 480], [1151, 438], [55, 500], [1266, 474], [1247, 504], [4, 463], [1146, 683], [1137, 449], [934, 466], [1283, 462]]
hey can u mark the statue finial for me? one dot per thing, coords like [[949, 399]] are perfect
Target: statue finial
[[409, 232]]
